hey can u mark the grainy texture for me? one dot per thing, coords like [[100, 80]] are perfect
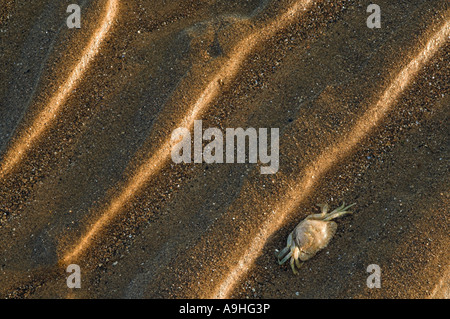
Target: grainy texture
[[181, 230]]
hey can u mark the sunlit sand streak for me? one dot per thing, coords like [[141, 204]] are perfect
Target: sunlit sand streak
[[442, 289], [328, 158], [48, 115], [157, 160]]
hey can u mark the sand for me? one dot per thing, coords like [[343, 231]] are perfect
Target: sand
[[86, 176]]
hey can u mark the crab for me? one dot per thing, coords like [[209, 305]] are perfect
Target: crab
[[310, 236]]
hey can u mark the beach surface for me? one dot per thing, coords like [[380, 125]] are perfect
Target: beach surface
[[87, 177]]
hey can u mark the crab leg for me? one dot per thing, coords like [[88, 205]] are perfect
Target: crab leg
[[281, 253], [342, 208], [322, 215], [298, 263], [289, 240], [293, 266], [324, 207], [282, 261], [338, 212]]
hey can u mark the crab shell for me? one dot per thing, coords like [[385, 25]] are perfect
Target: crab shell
[[312, 235]]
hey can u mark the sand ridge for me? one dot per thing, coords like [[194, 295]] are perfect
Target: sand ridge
[[353, 105]]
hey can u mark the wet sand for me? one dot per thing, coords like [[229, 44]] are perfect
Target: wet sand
[[86, 176]]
